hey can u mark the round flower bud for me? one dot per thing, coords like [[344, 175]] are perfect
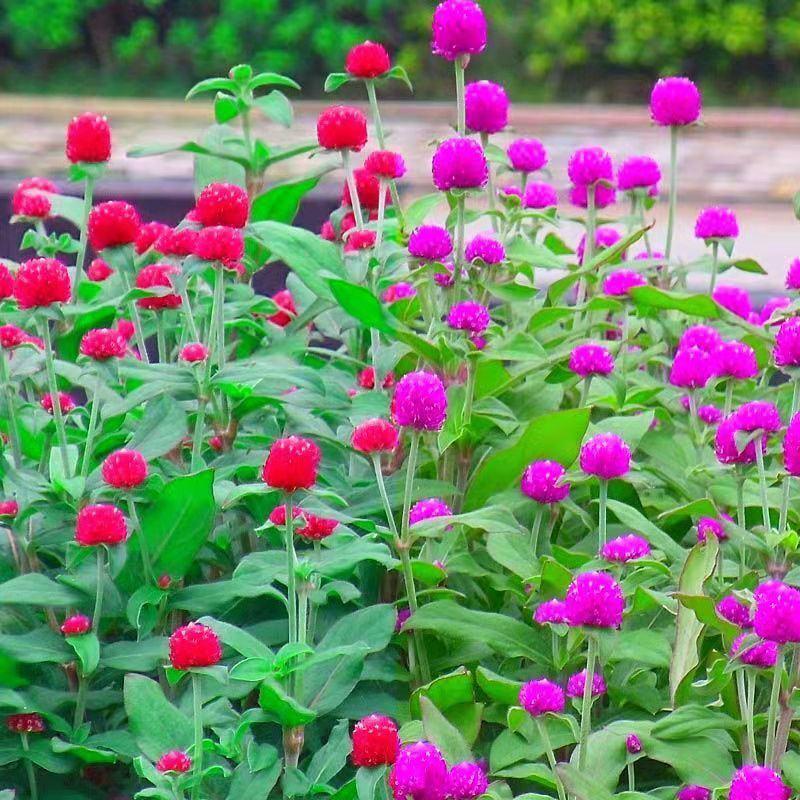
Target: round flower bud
[[625, 548], [486, 107], [551, 611], [124, 469], [430, 243], [193, 353], [375, 741], [194, 645], [154, 276], [540, 195], [375, 436], [113, 224], [588, 165], [430, 508], [98, 524], [675, 101], [41, 282], [542, 697], [527, 155], [367, 60], [102, 344], [76, 625], [220, 243], [595, 600], [458, 29], [342, 128], [385, 164], [692, 368], [577, 683], [174, 761], [716, 223], [98, 271], [420, 402], [605, 455], [486, 249], [542, 481], [753, 782], [88, 139], [459, 163], [591, 359], [291, 464], [222, 204], [25, 723], [466, 781], [639, 172], [734, 299]]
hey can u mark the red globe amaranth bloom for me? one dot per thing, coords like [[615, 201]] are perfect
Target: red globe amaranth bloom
[[367, 60], [217, 443], [174, 761], [98, 271], [153, 276], [41, 282], [30, 200], [102, 344], [220, 243], [164, 581], [148, 235], [366, 379], [6, 282], [177, 242], [375, 436], [316, 528], [222, 204], [194, 352], [113, 224], [76, 625], [385, 164], [342, 128], [278, 515], [125, 469], [25, 723], [9, 508], [288, 311], [66, 403], [368, 189], [360, 240], [194, 645], [375, 741], [102, 523], [292, 464], [11, 336], [126, 328], [88, 139]]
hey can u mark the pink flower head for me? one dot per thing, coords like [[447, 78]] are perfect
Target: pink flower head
[[626, 548], [787, 343], [588, 165], [430, 243], [540, 195], [692, 368], [88, 139], [485, 248], [736, 360], [633, 744], [542, 482], [716, 222], [527, 155], [675, 101], [753, 782], [375, 436], [709, 414], [551, 611], [725, 447], [604, 196], [420, 402], [385, 164], [734, 611], [486, 106], [605, 455], [30, 198], [595, 600], [194, 645], [399, 291], [693, 792], [702, 336], [469, 316], [621, 281], [157, 276], [734, 299], [458, 29], [177, 242], [65, 403], [419, 773], [771, 306], [148, 235], [638, 172], [342, 128], [41, 282], [577, 683], [125, 469], [360, 240], [403, 615], [591, 359], [706, 525], [367, 60], [112, 224], [76, 625], [103, 344], [758, 415], [603, 239], [459, 163], [777, 612], [466, 781], [221, 243], [100, 524], [791, 446], [9, 508], [431, 508], [793, 275], [174, 761], [759, 654], [542, 697], [224, 204], [193, 352]]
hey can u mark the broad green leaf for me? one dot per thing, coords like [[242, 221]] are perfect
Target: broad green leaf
[[443, 734], [694, 305], [281, 202], [37, 590], [361, 304]]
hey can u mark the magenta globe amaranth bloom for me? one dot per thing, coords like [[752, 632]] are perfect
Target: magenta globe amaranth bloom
[[693, 792], [606, 456], [540, 195], [758, 415], [420, 772], [734, 611], [466, 781], [486, 107], [638, 172], [588, 165], [577, 683], [542, 697], [791, 446], [787, 343], [603, 239], [469, 316], [703, 336], [633, 744], [551, 611], [595, 600], [709, 414], [458, 29], [486, 249], [771, 306], [591, 359], [734, 299], [753, 782], [420, 402], [621, 281], [755, 654], [716, 222], [777, 612], [675, 101], [430, 508], [793, 275], [542, 482], [604, 196], [527, 155], [692, 368], [430, 243], [625, 548], [735, 360], [459, 163], [710, 525]]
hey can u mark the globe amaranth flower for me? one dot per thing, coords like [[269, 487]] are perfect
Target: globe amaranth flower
[[194, 645], [577, 683], [315, 528], [41, 282], [430, 508], [758, 415], [734, 299], [375, 741], [375, 436], [777, 612], [403, 615], [76, 625], [692, 368], [793, 275], [385, 164], [540, 195], [486, 107], [466, 781], [458, 29], [420, 402], [595, 600], [103, 344], [9, 508], [193, 353], [359, 240], [419, 773], [735, 360], [25, 723], [287, 310], [753, 782], [675, 101], [469, 316], [633, 744], [605, 455], [342, 128], [787, 343], [366, 379], [791, 446], [638, 172], [6, 282], [604, 238], [734, 611], [113, 224], [604, 196], [591, 359], [542, 481], [125, 469], [291, 464], [222, 204], [367, 60], [542, 697], [430, 243], [65, 403], [126, 328], [551, 611], [101, 523], [220, 243], [11, 336], [485, 248], [527, 155], [178, 242], [707, 525], [625, 548], [693, 792], [399, 291], [174, 761], [30, 198], [368, 189], [149, 233], [156, 276], [619, 282], [750, 417], [459, 163], [278, 514], [756, 654], [88, 139], [703, 336], [716, 222], [771, 306], [588, 165]]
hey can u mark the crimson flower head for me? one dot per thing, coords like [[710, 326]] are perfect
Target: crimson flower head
[[222, 204], [367, 60], [41, 282], [375, 436], [288, 310], [125, 469], [375, 741], [102, 344], [154, 276], [316, 528], [342, 128], [76, 625], [291, 464], [98, 271], [368, 187], [148, 235], [194, 645], [194, 352], [385, 164], [366, 379], [177, 242], [65, 402], [360, 240], [30, 198], [6, 282], [9, 508], [102, 523], [88, 139], [174, 761], [25, 723], [113, 224], [220, 243]]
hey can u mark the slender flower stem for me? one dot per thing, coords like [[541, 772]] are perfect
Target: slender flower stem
[[81, 257], [751, 702], [53, 387], [355, 200], [136, 318], [490, 190], [387, 506], [218, 314], [631, 777], [728, 396], [29, 768], [603, 513], [94, 415], [199, 430], [98, 597], [748, 749], [291, 566], [588, 246], [587, 382], [786, 716], [147, 562], [774, 702], [536, 528], [186, 308], [197, 752], [13, 426], [673, 190], [762, 484], [541, 726], [161, 339], [461, 108], [697, 436], [586, 703], [787, 486], [741, 522], [381, 212], [80, 701], [714, 265], [458, 255]]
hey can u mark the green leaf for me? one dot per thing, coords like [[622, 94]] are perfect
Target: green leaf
[[162, 427], [443, 734], [87, 648], [419, 210], [37, 590], [211, 85], [398, 73], [446, 691], [694, 305], [40, 645], [632, 518], [285, 709], [276, 106], [281, 202], [497, 688], [335, 81], [361, 304], [328, 761], [225, 108], [748, 265], [272, 79]]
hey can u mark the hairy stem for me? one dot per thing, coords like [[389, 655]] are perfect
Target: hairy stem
[[53, 388], [586, 703]]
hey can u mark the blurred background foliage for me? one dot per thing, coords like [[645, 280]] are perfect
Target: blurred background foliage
[[741, 50]]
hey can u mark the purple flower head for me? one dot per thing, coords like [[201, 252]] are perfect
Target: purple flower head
[[604, 196], [554, 611], [734, 611], [486, 106], [752, 782], [541, 481], [485, 248], [777, 614], [787, 343], [759, 654], [459, 163], [626, 548], [605, 455], [706, 525], [459, 28], [692, 368], [542, 697], [708, 414], [694, 792], [577, 683], [588, 165], [478, 341], [540, 195], [466, 781], [716, 222], [510, 191], [445, 279], [734, 299], [791, 446], [591, 359], [793, 275], [603, 239], [527, 155], [639, 172], [633, 744], [736, 360], [430, 243], [758, 415], [725, 447], [420, 772], [429, 508], [771, 306], [702, 336], [595, 600], [469, 316], [420, 402], [621, 281], [675, 101], [403, 615]]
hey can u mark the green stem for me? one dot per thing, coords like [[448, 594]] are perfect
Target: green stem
[[586, 703], [587, 382], [80, 702], [197, 436], [603, 514], [291, 566], [490, 183], [136, 318], [469, 398], [381, 212], [458, 258], [461, 109], [631, 777], [536, 527], [714, 265], [673, 190], [774, 702], [728, 396], [94, 415], [387, 506], [748, 753], [588, 247], [786, 481], [53, 387], [551, 759], [197, 752], [147, 562], [186, 308], [81, 257], [219, 316], [751, 702], [161, 339], [98, 597], [355, 201], [762, 484], [29, 768], [13, 426]]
